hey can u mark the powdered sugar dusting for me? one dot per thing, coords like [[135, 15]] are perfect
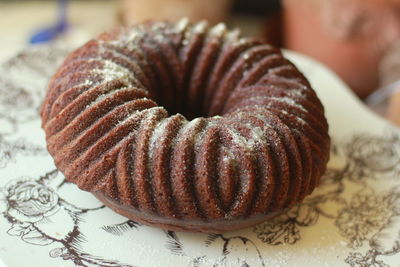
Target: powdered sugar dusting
[[181, 25], [156, 138], [200, 27], [298, 92], [107, 94], [286, 100], [131, 115], [197, 28], [218, 30], [113, 71], [289, 101], [246, 143], [246, 56], [158, 135]]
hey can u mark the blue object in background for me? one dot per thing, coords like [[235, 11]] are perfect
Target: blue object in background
[[48, 34]]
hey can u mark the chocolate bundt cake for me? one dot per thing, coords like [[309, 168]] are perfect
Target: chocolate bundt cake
[[186, 126]]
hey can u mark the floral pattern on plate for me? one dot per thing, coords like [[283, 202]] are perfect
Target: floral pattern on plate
[[351, 219]]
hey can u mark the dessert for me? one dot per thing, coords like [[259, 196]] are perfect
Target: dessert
[[186, 126]]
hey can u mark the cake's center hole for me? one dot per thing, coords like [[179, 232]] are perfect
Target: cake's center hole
[[184, 102]]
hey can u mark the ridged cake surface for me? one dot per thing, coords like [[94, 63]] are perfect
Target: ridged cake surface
[[252, 140]]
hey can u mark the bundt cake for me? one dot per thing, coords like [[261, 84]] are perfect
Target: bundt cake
[[185, 126]]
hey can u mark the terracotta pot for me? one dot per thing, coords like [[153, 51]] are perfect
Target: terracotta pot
[[213, 11], [350, 36]]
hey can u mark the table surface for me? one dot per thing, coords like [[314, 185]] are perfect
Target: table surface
[[20, 19]]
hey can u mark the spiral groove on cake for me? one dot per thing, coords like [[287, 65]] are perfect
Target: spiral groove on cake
[[253, 139]]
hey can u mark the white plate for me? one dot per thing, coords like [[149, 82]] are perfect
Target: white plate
[[352, 219]]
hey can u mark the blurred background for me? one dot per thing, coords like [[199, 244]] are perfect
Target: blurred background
[[357, 39]]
